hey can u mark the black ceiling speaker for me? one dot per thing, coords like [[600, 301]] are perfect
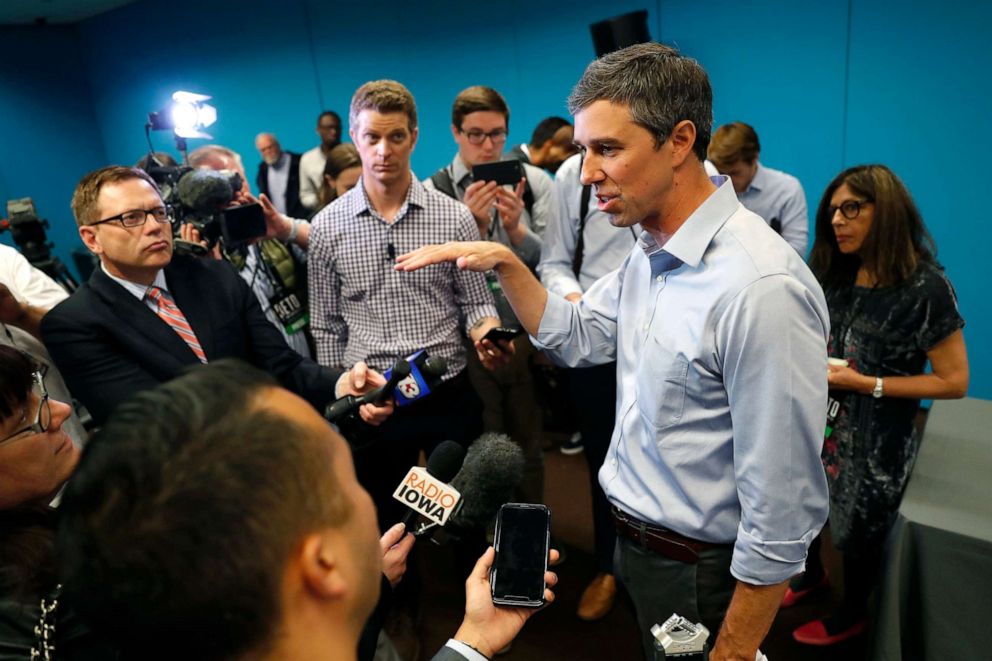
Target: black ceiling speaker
[[619, 32]]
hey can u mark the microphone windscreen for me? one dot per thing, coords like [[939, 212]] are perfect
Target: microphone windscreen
[[493, 467], [434, 366], [205, 190], [445, 461]]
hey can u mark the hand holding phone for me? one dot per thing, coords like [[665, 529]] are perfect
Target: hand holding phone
[[502, 333], [523, 537], [502, 172]]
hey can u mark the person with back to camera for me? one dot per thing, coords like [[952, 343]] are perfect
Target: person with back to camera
[[892, 309]]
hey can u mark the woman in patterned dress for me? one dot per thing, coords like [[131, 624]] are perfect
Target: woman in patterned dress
[[892, 310]]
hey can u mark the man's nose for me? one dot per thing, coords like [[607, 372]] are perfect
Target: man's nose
[[590, 172]]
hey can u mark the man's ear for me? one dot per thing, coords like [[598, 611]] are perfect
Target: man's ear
[[90, 239], [454, 132], [351, 132], [321, 568], [683, 138], [414, 134]]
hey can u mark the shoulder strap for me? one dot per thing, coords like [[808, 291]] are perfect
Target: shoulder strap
[[443, 183], [528, 198], [580, 243]]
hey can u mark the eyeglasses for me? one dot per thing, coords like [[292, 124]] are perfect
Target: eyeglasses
[[43, 418], [849, 209], [477, 137], [138, 217]]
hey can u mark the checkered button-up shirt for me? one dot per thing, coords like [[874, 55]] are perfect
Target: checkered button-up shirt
[[362, 309]]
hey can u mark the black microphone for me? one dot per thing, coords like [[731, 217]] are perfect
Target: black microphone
[[207, 190], [443, 465], [493, 467], [350, 403]]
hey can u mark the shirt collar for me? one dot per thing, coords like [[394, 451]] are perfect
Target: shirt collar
[[525, 148], [690, 241], [135, 289], [358, 199], [282, 162], [760, 179], [459, 171]]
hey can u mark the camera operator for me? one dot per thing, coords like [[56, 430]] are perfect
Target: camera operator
[[274, 267], [145, 316]]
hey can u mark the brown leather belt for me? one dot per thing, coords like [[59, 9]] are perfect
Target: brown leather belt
[[661, 540]]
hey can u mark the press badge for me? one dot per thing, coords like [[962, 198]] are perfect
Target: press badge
[[290, 312]]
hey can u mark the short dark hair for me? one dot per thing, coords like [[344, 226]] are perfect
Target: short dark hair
[[659, 85], [478, 98], [326, 113], [546, 129], [16, 369], [733, 142], [177, 525], [897, 240]]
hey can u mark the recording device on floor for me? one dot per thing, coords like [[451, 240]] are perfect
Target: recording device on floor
[[27, 230], [502, 172], [202, 198], [502, 333], [426, 490], [523, 539], [678, 638]]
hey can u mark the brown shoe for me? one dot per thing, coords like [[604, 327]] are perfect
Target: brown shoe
[[598, 597]]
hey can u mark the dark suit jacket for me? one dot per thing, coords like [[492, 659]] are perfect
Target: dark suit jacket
[[294, 208], [109, 345]]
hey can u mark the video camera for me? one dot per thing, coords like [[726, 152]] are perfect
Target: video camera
[[28, 232], [204, 199]]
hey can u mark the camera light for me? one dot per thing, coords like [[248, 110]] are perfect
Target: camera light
[[187, 115]]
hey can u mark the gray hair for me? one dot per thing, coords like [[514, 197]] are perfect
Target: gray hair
[[659, 85]]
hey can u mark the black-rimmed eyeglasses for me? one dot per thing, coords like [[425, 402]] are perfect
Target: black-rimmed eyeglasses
[[477, 137], [138, 217], [849, 209], [43, 417]]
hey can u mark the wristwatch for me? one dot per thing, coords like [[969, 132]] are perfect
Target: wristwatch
[[877, 392]]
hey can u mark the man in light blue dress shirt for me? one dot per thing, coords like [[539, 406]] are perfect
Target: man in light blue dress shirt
[[719, 332]]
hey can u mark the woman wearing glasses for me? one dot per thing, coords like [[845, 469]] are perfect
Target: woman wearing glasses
[[36, 458], [892, 310]]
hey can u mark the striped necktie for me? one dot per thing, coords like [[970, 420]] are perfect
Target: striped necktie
[[172, 315]]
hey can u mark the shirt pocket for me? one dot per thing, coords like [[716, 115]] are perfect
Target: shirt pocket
[[661, 382]]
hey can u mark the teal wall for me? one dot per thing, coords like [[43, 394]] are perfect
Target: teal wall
[[826, 85]]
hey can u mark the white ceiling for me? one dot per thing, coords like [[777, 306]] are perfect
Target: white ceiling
[[27, 12]]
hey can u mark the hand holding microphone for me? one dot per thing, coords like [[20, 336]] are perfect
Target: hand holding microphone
[[377, 397]]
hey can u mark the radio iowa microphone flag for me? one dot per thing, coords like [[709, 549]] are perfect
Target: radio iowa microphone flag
[[425, 490]]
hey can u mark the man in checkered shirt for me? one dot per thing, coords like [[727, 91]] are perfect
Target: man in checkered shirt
[[362, 309]]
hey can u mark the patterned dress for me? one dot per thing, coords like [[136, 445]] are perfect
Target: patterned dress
[[871, 444]]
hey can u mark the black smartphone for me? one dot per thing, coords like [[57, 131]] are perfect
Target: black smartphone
[[523, 536], [502, 333], [502, 172], [243, 223]]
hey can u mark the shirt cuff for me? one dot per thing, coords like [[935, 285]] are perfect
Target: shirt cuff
[[555, 323], [762, 562], [479, 312], [466, 651]]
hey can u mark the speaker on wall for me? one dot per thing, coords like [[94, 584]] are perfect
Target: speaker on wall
[[619, 32]]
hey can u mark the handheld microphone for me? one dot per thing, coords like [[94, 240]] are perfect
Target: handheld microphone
[[350, 403], [425, 376], [207, 190], [493, 467], [426, 491]]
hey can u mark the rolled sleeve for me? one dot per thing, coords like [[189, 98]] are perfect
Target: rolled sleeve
[[582, 334], [772, 338]]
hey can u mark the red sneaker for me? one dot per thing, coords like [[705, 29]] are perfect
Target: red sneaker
[[815, 633], [793, 597]]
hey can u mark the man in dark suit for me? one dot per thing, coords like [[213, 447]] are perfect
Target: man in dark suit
[[144, 317], [279, 176], [239, 547]]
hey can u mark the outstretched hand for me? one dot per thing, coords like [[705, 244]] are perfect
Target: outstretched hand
[[487, 627], [467, 255]]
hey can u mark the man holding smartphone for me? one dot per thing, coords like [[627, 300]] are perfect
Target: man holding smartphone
[[513, 214], [719, 332]]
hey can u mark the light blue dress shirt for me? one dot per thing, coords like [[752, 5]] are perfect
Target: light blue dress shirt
[[779, 199], [605, 246], [720, 337]]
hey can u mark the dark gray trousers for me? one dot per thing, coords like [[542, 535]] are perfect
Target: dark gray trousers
[[660, 586]]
